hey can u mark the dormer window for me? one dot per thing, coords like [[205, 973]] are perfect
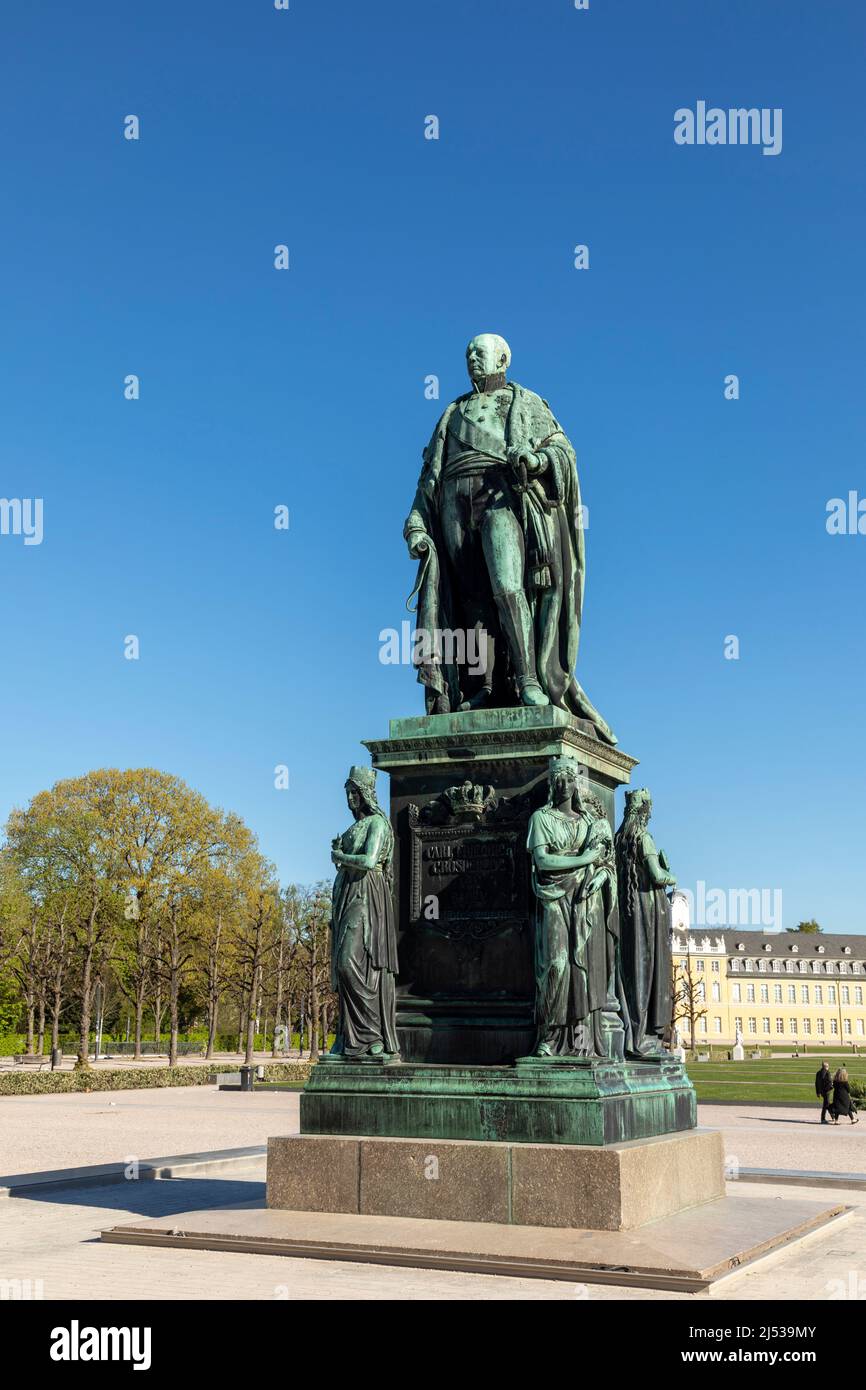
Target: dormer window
[[820, 950], [767, 947], [794, 949]]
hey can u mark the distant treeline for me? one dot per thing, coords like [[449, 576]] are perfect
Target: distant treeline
[[130, 907]]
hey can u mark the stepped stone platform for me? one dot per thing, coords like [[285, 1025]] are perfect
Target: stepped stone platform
[[687, 1252]]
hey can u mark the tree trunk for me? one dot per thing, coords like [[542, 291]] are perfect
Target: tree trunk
[[83, 1060], [212, 1028], [30, 1030], [40, 1039]]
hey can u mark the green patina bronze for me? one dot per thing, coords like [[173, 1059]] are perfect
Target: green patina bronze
[[502, 961], [497, 528]]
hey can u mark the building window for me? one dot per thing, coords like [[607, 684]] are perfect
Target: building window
[[847, 1026], [792, 994], [717, 992], [856, 967], [762, 966], [717, 1025], [736, 993], [820, 1027], [765, 1023], [715, 967], [765, 994], [860, 1029], [699, 966], [750, 965], [858, 994], [846, 995], [777, 993], [819, 994], [831, 994], [750, 994], [807, 1025], [703, 1024], [804, 994], [793, 1028], [843, 967], [816, 967], [776, 967], [753, 1025], [802, 967], [780, 1025], [735, 964], [834, 1027], [789, 966]]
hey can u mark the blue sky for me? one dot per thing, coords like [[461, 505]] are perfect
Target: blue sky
[[306, 387]]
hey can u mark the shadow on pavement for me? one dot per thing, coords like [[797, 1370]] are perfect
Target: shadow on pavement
[[158, 1197]]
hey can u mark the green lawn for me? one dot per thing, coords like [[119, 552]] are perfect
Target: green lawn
[[785, 1080]]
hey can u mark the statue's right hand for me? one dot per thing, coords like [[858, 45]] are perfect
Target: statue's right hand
[[419, 543]]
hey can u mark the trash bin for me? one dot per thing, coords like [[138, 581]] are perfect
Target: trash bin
[[56, 1058], [246, 1078]]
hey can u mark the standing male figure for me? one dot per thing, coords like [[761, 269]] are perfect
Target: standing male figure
[[823, 1089], [497, 527]]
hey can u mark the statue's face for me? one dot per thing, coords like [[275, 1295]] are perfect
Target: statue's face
[[486, 355], [563, 785], [353, 796]]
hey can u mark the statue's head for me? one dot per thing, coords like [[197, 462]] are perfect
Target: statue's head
[[361, 790], [564, 778], [487, 355], [638, 804]]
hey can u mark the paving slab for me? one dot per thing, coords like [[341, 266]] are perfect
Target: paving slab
[[687, 1252]]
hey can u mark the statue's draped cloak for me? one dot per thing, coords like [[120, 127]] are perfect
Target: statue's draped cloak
[[576, 913], [645, 913], [364, 943], [556, 609]]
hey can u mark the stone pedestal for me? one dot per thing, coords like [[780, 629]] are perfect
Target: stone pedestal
[[463, 787], [616, 1188]]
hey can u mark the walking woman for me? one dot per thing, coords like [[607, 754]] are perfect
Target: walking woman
[[842, 1102]]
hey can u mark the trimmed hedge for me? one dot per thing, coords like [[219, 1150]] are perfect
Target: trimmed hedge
[[22, 1082]]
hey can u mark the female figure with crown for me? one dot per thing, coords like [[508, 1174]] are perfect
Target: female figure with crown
[[363, 929]]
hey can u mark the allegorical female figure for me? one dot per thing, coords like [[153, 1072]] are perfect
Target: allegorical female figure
[[574, 882], [645, 925], [363, 930]]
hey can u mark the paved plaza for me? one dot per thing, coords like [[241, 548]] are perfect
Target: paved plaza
[[52, 1237]]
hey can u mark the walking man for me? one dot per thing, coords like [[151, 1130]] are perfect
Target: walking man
[[823, 1087]]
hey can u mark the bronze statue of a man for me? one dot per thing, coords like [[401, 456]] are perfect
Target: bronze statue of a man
[[497, 527]]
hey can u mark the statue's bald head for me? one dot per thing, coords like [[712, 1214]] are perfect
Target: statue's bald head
[[487, 355]]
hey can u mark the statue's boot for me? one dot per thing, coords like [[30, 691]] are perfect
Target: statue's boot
[[480, 700], [516, 622], [485, 655]]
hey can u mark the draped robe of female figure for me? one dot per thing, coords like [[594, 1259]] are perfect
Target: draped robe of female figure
[[575, 934], [645, 916], [364, 944]]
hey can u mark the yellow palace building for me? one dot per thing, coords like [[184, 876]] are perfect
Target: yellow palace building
[[777, 988]]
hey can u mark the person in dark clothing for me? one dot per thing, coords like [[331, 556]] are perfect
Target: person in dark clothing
[[842, 1102], [823, 1087]]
